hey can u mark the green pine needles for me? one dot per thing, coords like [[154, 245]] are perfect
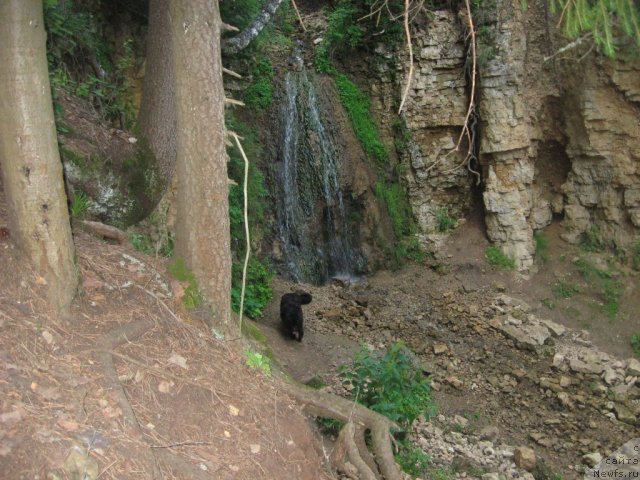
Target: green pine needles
[[601, 18]]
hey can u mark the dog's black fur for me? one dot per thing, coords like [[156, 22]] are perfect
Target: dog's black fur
[[291, 312]]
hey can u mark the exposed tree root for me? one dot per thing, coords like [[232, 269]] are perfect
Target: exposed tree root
[[351, 442], [106, 231]]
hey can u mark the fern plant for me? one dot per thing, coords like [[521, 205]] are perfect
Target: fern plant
[[601, 18]]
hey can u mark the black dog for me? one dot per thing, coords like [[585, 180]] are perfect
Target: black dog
[[291, 312]]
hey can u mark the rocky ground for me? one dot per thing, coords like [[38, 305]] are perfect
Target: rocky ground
[[510, 383]]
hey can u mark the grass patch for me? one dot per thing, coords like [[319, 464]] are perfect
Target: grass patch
[[542, 246], [80, 205], [564, 290], [635, 254], [591, 241], [444, 221], [610, 288], [358, 106], [496, 257], [258, 290], [260, 93], [178, 270]]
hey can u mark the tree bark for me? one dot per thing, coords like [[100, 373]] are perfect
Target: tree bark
[[31, 167], [158, 108], [244, 38], [202, 226]]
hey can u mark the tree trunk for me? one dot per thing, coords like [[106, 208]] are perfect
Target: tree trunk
[[31, 167], [244, 38], [158, 109], [202, 226]]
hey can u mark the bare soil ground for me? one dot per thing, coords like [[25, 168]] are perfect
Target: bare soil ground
[[193, 408]]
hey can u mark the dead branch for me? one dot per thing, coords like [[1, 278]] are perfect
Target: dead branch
[[231, 73], [323, 404], [576, 43], [295, 7], [407, 32], [106, 231], [233, 101], [244, 38], [246, 228]]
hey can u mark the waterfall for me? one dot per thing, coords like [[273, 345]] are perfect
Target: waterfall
[[317, 240]]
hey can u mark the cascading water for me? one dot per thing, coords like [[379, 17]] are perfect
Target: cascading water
[[317, 242]]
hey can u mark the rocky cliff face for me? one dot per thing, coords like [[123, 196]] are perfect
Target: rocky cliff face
[[559, 134]]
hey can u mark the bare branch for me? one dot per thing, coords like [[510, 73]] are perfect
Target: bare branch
[[407, 31], [231, 73]]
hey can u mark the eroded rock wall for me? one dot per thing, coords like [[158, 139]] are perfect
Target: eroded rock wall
[[603, 126]]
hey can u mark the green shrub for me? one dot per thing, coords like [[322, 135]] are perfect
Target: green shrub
[[444, 221], [257, 289], [412, 459], [74, 41], [497, 258], [390, 384], [357, 105], [591, 241], [179, 270], [260, 93]]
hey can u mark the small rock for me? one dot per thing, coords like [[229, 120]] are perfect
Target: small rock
[[460, 420], [556, 329], [633, 367], [490, 476], [525, 458], [489, 433], [455, 382], [440, 348], [624, 414], [591, 459], [579, 366], [565, 381]]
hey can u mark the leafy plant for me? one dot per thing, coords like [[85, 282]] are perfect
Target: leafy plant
[[635, 344], [179, 270], [329, 426], [564, 290], [411, 458], [260, 93], [258, 287], [146, 244], [257, 361], [444, 221], [497, 258], [79, 205], [390, 384]]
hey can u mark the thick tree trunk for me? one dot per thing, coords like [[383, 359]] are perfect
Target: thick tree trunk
[[244, 38], [202, 226], [158, 109], [31, 166]]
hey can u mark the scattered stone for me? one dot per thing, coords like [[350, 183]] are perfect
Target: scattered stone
[[633, 367], [565, 381], [579, 366], [525, 458], [526, 336], [455, 382], [440, 348], [556, 329], [489, 433], [491, 476], [624, 414], [591, 459], [460, 420]]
